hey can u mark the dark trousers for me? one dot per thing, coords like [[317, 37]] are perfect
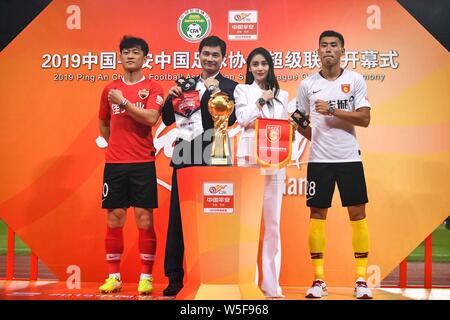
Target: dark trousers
[[173, 259]]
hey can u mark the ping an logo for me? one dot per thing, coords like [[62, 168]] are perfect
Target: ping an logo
[[217, 188], [218, 197]]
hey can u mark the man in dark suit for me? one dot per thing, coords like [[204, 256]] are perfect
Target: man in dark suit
[[195, 129]]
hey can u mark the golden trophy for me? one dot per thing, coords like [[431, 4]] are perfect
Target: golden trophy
[[220, 106]]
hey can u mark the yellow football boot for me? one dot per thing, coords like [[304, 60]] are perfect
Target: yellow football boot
[[145, 286], [111, 285]]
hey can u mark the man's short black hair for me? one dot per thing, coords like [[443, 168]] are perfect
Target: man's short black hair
[[331, 33], [129, 42], [213, 41]]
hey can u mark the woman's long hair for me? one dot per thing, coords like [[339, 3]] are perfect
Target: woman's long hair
[[272, 81]]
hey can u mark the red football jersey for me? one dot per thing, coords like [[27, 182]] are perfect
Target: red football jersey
[[130, 141]]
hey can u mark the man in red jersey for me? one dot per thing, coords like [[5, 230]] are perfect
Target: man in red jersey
[[129, 107]]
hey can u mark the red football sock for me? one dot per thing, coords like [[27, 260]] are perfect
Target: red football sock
[[147, 249], [114, 248]]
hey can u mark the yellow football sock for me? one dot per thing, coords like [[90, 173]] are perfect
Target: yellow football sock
[[360, 240], [317, 246]]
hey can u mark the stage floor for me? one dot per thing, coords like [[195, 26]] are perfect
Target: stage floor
[[57, 290]]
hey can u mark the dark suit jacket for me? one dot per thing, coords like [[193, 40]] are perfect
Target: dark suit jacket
[[204, 139]]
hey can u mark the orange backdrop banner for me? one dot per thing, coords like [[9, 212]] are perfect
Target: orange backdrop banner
[[55, 69]]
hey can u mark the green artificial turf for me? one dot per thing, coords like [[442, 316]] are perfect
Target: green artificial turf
[[441, 247]]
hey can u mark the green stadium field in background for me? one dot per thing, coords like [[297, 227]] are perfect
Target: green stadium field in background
[[21, 249]]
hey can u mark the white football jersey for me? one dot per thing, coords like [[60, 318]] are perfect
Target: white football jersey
[[333, 139]]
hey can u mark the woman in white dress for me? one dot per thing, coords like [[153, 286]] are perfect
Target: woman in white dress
[[261, 97]]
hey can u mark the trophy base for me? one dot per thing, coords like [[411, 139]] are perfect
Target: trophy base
[[221, 161]]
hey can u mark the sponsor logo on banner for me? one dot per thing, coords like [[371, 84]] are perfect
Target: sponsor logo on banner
[[194, 25], [143, 93], [218, 197], [243, 25], [345, 88]]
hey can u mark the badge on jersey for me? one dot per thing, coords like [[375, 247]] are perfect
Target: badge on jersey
[[159, 100], [273, 142], [143, 93], [345, 88]]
